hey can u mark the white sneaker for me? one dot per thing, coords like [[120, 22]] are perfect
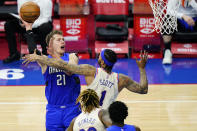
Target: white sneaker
[[167, 57]]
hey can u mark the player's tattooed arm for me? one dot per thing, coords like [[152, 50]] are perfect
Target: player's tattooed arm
[[43, 66], [131, 85], [73, 59], [142, 87], [83, 69], [31, 58]]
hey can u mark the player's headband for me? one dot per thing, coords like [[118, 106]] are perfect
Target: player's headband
[[105, 60]]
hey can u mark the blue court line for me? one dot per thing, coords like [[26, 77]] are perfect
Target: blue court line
[[182, 71]]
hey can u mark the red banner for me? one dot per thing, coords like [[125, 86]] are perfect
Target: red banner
[[122, 48], [186, 48], [77, 46], [73, 27], [144, 33]]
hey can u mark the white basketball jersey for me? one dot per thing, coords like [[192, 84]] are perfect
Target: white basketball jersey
[[106, 87], [88, 122]]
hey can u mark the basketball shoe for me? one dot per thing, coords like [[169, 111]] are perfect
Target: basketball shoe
[[167, 57]]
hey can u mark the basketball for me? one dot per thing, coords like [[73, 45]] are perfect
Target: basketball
[[29, 12]]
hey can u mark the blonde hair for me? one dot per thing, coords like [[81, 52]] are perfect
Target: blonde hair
[[51, 34], [88, 100]]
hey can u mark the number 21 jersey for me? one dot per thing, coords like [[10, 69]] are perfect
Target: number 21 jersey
[[61, 89]]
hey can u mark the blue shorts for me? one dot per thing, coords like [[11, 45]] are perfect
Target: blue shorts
[[58, 118]]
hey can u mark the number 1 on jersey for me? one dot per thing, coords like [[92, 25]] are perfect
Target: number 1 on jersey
[[103, 93]]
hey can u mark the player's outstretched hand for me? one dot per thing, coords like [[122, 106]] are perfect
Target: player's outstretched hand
[[29, 58], [143, 59]]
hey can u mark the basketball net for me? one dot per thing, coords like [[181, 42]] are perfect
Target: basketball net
[[165, 21]]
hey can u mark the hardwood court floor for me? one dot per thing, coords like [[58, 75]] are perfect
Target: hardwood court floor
[[164, 108]]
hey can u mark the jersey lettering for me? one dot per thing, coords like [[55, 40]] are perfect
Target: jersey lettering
[[54, 70], [86, 120], [106, 83]]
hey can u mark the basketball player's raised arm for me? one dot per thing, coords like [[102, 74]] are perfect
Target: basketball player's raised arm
[[83, 69], [131, 85], [32, 57], [43, 66]]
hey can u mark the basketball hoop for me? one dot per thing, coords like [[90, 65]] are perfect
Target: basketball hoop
[[165, 20]]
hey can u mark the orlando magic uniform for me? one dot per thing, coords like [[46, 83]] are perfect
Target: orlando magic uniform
[[106, 87], [88, 122], [61, 93], [124, 128]]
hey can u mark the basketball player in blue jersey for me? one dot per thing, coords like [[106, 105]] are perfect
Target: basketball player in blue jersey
[[118, 112], [106, 83], [62, 88]]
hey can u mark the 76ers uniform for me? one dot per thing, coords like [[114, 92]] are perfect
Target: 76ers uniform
[[88, 122], [106, 87], [61, 93]]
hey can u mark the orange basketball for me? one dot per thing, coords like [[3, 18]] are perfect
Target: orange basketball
[[29, 12]]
